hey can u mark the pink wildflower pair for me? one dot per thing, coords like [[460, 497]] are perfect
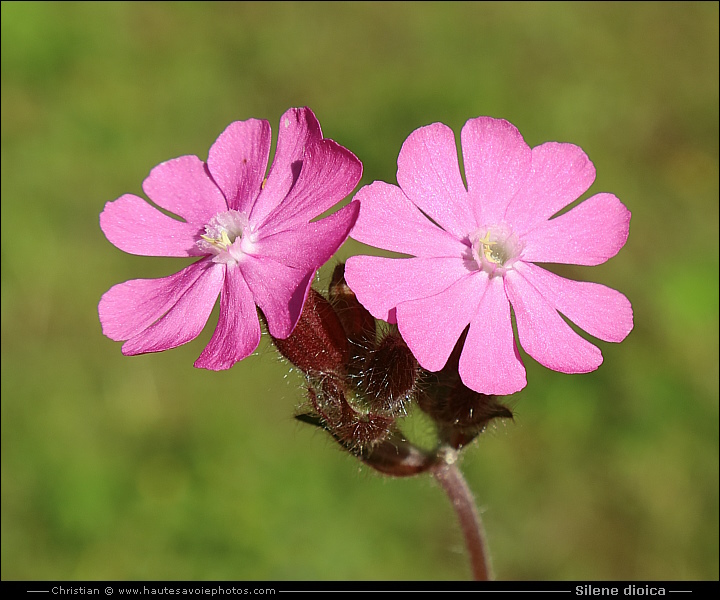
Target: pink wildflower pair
[[471, 260]]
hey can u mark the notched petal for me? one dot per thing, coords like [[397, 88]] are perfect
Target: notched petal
[[184, 187], [589, 234], [238, 161], [237, 334], [429, 174], [184, 320], [543, 333], [601, 311], [132, 225]]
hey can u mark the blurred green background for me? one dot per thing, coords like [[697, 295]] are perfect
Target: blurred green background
[[146, 468]]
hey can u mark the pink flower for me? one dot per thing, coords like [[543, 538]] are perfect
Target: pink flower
[[473, 258], [255, 236]]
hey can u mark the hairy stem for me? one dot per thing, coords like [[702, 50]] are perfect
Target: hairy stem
[[452, 481]]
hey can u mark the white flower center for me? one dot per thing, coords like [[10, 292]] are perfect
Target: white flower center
[[495, 249], [224, 237]]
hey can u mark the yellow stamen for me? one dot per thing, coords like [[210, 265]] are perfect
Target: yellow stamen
[[223, 243], [488, 251]]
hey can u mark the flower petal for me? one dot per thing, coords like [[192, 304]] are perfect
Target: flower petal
[[601, 311], [490, 362], [238, 161], [183, 186], [129, 307], [279, 290], [389, 220], [559, 175], [429, 173], [136, 227], [299, 128], [543, 333], [309, 246], [238, 330], [588, 234], [186, 318], [380, 284], [329, 173], [496, 160], [431, 326]]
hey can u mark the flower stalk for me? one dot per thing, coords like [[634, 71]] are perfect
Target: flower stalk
[[448, 475]]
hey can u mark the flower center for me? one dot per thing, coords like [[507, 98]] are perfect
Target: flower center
[[495, 249], [224, 236]]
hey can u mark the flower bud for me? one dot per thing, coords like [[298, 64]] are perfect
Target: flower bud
[[354, 430], [464, 408], [460, 413], [318, 344], [359, 324], [389, 375], [364, 431], [328, 401], [392, 455]]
